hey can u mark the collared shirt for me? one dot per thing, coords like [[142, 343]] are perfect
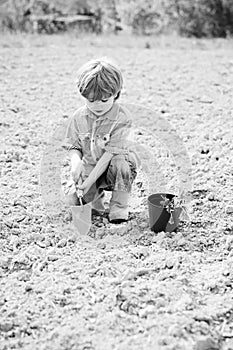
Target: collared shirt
[[93, 136]]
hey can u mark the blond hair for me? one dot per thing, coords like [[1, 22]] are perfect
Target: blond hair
[[101, 77]]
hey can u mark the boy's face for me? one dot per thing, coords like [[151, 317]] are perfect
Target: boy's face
[[99, 107]]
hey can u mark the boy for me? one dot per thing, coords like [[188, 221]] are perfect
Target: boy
[[98, 137]]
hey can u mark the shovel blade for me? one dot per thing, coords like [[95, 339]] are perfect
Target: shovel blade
[[81, 217]]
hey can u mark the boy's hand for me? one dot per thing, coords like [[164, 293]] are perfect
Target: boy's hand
[[77, 170], [85, 186]]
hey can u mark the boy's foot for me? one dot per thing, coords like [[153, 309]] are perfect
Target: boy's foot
[[117, 221], [96, 213]]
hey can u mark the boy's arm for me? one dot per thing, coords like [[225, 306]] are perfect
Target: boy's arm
[[76, 164], [75, 155], [73, 145], [98, 170], [72, 142]]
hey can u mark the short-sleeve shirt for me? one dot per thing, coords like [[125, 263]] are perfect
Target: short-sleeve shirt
[[93, 136]]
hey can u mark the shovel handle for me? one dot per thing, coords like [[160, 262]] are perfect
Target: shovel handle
[[79, 192]]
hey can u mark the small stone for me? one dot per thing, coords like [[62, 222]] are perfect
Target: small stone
[[206, 344], [143, 252], [4, 263], [210, 196], [35, 237], [77, 307], [158, 238], [229, 242], [154, 239], [101, 245], [100, 232], [41, 244], [20, 202], [2, 301], [220, 229], [175, 331], [105, 221], [47, 242], [170, 263], [147, 45], [52, 251], [120, 230], [178, 236], [129, 275], [200, 316], [160, 302], [211, 285], [143, 225], [99, 224], [24, 276], [115, 281], [126, 284], [6, 326], [181, 242], [72, 238], [226, 273], [66, 290], [229, 209], [148, 310], [228, 344], [53, 257], [9, 223], [41, 265], [161, 236], [62, 243], [170, 234], [6, 211], [182, 304], [28, 288]]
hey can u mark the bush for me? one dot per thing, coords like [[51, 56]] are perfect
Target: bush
[[19, 15], [16, 14], [199, 18], [205, 18], [12, 15], [144, 16]]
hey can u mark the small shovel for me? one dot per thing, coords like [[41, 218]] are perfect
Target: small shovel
[[81, 214]]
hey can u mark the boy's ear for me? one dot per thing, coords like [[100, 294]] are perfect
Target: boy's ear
[[117, 95]]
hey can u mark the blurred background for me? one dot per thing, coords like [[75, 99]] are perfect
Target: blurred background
[[196, 18]]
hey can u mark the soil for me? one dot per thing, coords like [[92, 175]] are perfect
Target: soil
[[122, 287]]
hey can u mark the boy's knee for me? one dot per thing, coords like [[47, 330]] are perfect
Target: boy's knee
[[120, 174], [119, 164]]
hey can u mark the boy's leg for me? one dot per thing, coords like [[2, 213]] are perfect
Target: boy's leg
[[98, 201], [119, 207], [120, 176]]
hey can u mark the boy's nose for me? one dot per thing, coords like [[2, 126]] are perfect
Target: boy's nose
[[97, 103]]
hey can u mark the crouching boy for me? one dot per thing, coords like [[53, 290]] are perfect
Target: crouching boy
[[98, 137]]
